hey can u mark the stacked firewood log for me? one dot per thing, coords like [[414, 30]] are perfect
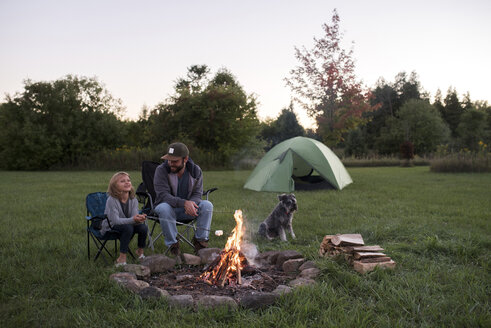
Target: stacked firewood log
[[352, 247]]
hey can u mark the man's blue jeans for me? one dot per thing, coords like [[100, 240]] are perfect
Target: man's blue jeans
[[168, 216]]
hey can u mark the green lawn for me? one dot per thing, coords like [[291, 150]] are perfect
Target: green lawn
[[435, 226]]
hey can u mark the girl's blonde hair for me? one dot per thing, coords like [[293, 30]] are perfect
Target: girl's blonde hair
[[113, 191]]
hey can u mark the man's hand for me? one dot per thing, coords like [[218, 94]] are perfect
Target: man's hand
[[191, 208]]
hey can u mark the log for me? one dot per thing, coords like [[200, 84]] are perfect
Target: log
[[362, 255], [325, 245], [374, 248], [327, 238], [375, 259], [367, 267], [348, 239]]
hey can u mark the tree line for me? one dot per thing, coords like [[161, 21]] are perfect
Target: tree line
[[60, 123]]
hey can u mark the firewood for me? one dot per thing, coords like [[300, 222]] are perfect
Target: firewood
[[346, 249], [375, 259], [327, 238], [374, 248], [366, 267], [348, 239], [360, 255]]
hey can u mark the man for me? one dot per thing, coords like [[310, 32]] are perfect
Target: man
[[178, 186]]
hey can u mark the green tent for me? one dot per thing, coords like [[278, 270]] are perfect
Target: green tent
[[298, 162]]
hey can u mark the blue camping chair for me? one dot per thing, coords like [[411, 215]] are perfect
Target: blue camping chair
[[96, 203]]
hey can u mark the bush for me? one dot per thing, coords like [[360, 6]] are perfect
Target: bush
[[463, 161]]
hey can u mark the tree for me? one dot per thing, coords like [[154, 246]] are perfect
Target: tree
[[390, 97], [326, 86], [418, 122], [472, 128], [57, 122], [215, 115], [285, 126], [356, 143], [452, 110]]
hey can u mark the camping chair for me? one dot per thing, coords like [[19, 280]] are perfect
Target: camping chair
[[96, 203], [146, 196]]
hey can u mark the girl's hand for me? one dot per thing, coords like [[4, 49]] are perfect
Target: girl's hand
[[140, 218]]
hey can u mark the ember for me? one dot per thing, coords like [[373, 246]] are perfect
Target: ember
[[228, 265]]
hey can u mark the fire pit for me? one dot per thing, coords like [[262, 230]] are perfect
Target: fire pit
[[230, 278]]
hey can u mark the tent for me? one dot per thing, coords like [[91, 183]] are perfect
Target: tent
[[298, 162]]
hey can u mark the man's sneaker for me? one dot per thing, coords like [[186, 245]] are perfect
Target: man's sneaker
[[199, 244]]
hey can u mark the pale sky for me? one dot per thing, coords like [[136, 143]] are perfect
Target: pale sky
[[138, 49]]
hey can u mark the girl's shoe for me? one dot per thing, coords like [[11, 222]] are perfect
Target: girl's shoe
[[120, 264], [141, 257]]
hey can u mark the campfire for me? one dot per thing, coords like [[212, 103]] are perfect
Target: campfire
[[227, 267]]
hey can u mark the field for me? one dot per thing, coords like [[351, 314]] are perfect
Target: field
[[436, 226]]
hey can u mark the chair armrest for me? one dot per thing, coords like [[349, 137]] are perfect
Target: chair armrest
[[98, 218], [208, 192], [146, 195]]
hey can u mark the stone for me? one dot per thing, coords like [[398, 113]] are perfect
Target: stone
[[282, 289], [181, 301], [207, 255], [191, 259], [285, 256], [267, 258], [121, 277], [212, 301], [310, 273], [153, 292], [134, 285], [256, 300], [158, 263], [141, 271], [301, 282], [292, 265], [307, 265]]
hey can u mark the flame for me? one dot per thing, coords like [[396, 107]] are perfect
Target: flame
[[231, 259]]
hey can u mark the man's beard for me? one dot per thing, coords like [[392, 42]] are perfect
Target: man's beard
[[176, 169]]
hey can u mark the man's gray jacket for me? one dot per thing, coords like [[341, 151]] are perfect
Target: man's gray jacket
[[165, 184]]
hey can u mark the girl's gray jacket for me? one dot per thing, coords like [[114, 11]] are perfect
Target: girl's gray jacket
[[115, 213]]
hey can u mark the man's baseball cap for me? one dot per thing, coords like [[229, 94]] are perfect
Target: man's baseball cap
[[176, 150]]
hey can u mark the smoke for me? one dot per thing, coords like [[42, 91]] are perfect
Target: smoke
[[247, 247], [250, 251]]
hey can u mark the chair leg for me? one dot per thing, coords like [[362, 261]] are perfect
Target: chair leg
[[151, 241], [101, 247], [185, 235], [88, 245]]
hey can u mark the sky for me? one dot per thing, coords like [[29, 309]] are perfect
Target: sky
[[138, 49]]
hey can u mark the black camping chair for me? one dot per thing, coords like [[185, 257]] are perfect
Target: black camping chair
[[146, 196], [96, 204]]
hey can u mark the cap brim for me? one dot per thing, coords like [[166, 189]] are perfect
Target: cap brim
[[170, 157]]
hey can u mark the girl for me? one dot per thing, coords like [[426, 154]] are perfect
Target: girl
[[122, 213]]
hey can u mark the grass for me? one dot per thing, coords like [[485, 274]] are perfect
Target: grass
[[435, 226]]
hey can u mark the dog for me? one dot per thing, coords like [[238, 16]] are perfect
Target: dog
[[280, 219]]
